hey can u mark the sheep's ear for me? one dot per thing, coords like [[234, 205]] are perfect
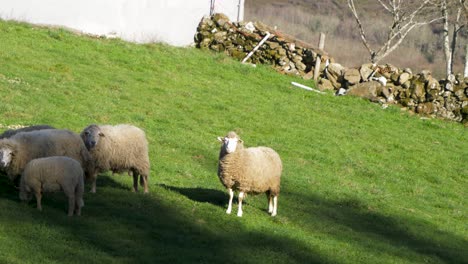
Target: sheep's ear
[[220, 139]]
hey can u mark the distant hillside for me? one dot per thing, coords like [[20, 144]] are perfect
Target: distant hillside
[[306, 18]]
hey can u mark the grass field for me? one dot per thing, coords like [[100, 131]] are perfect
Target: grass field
[[360, 185]]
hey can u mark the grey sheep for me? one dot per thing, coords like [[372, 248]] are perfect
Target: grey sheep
[[53, 174], [249, 170], [18, 150], [11, 132], [118, 149]]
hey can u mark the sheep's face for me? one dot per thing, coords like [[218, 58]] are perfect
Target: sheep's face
[[6, 156], [229, 143], [91, 136]]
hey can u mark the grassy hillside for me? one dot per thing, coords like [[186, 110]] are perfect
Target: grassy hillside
[[360, 184]]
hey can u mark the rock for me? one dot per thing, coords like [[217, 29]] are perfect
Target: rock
[[250, 27], [394, 78], [220, 36], [408, 70], [418, 92], [451, 78], [352, 76], [404, 77], [325, 84], [406, 84], [334, 73], [220, 19], [365, 71], [300, 66], [424, 75], [425, 108], [308, 76], [369, 90], [432, 84], [273, 45]]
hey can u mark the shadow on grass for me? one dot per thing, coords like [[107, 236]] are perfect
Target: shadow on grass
[[201, 195], [397, 236], [119, 226]]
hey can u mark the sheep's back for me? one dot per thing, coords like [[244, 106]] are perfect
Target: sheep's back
[[123, 147], [52, 173], [254, 170], [46, 143]]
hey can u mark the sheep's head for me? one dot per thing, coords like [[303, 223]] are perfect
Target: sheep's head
[[230, 143], [7, 154], [91, 136]]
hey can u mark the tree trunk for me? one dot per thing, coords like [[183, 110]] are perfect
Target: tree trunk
[[447, 51], [466, 61]]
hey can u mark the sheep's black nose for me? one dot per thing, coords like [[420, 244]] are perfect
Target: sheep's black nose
[[93, 143]]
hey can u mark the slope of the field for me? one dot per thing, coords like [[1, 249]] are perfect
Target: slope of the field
[[361, 184]]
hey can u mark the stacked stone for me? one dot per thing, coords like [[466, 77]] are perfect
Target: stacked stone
[[283, 52], [420, 93]]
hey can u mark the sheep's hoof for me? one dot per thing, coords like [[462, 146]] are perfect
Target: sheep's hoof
[[239, 214], [228, 211]]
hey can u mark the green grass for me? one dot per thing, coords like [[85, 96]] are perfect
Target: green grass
[[360, 184]]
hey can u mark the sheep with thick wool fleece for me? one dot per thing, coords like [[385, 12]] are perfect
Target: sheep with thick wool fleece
[[11, 132], [18, 150], [118, 149], [53, 174], [249, 170]]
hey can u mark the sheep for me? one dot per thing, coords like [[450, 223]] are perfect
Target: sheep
[[53, 174], [249, 170], [118, 149], [11, 132], [18, 150]]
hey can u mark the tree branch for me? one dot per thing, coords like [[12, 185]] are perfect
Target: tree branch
[[361, 29]]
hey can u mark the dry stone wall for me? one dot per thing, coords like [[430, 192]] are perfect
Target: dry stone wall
[[420, 93]]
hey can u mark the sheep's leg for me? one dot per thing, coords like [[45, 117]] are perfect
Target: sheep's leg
[[93, 184], [145, 182], [270, 203], [71, 205], [275, 205], [38, 200], [239, 210], [135, 182], [231, 195], [77, 206]]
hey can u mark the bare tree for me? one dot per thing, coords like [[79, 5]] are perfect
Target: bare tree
[[453, 12], [406, 16]]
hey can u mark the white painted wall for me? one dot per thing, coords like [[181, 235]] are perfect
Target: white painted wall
[[170, 21]]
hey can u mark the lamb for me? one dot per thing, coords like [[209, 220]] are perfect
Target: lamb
[[118, 149], [53, 174], [17, 151], [11, 132], [249, 170]]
